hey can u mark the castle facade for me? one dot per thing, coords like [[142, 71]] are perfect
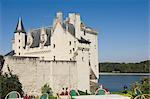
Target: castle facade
[[63, 55]]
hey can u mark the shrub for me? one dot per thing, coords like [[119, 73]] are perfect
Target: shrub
[[9, 82], [46, 89]]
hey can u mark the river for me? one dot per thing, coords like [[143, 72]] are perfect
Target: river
[[115, 82]]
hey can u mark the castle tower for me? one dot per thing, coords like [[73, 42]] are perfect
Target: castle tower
[[19, 38]]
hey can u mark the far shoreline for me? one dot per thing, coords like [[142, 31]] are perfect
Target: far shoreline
[[134, 74]]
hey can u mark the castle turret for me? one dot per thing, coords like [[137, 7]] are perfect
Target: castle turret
[[19, 38]]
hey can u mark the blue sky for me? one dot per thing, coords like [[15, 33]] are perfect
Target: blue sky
[[122, 24]]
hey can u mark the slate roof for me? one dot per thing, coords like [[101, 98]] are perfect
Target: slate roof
[[82, 40], [71, 28], [36, 38], [11, 53], [19, 27], [48, 33], [36, 34]]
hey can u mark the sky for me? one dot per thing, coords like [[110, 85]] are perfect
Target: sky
[[122, 25]]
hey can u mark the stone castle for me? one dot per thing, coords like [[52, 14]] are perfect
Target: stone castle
[[62, 55]]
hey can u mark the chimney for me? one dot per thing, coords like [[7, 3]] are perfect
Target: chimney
[[77, 25], [72, 18], [59, 17]]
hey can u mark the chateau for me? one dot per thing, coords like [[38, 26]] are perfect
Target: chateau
[[63, 55]]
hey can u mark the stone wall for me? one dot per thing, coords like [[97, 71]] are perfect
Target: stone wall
[[34, 73]]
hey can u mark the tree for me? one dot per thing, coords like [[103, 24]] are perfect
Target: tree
[[142, 67], [1, 62], [9, 82], [46, 89]]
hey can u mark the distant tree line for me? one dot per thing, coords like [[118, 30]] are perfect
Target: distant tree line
[[141, 67]]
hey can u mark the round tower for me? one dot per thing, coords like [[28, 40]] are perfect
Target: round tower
[[18, 44]]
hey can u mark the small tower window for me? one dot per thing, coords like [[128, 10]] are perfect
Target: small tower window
[[69, 42], [19, 40], [84, 32], [53, 45], [19, 53], [70, 59], [73, 49], [19, 47], [54, 58]]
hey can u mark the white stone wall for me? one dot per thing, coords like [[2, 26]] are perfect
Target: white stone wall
[[94, 53], [62, 40], [34, 73], [83, 71]]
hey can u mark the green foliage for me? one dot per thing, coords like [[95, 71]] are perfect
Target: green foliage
[[143, 86], [9, 82], [1, 62], [83, 93], [142, 67], [46, 89]]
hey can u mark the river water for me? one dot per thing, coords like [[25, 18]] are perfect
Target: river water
[[117, 82]]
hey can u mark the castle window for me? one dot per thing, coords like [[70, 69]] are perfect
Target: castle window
[[73, 49], [53, 45], [89, 63], [95, 66], [70, 59], [70, 51], [69, 42], [82, 58], [19, 53], [19, 33], [82, 49], [84, 32], [54, 58], [19, 40], [19, 47]]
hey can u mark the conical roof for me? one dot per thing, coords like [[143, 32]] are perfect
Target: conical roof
[[19, 27]]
